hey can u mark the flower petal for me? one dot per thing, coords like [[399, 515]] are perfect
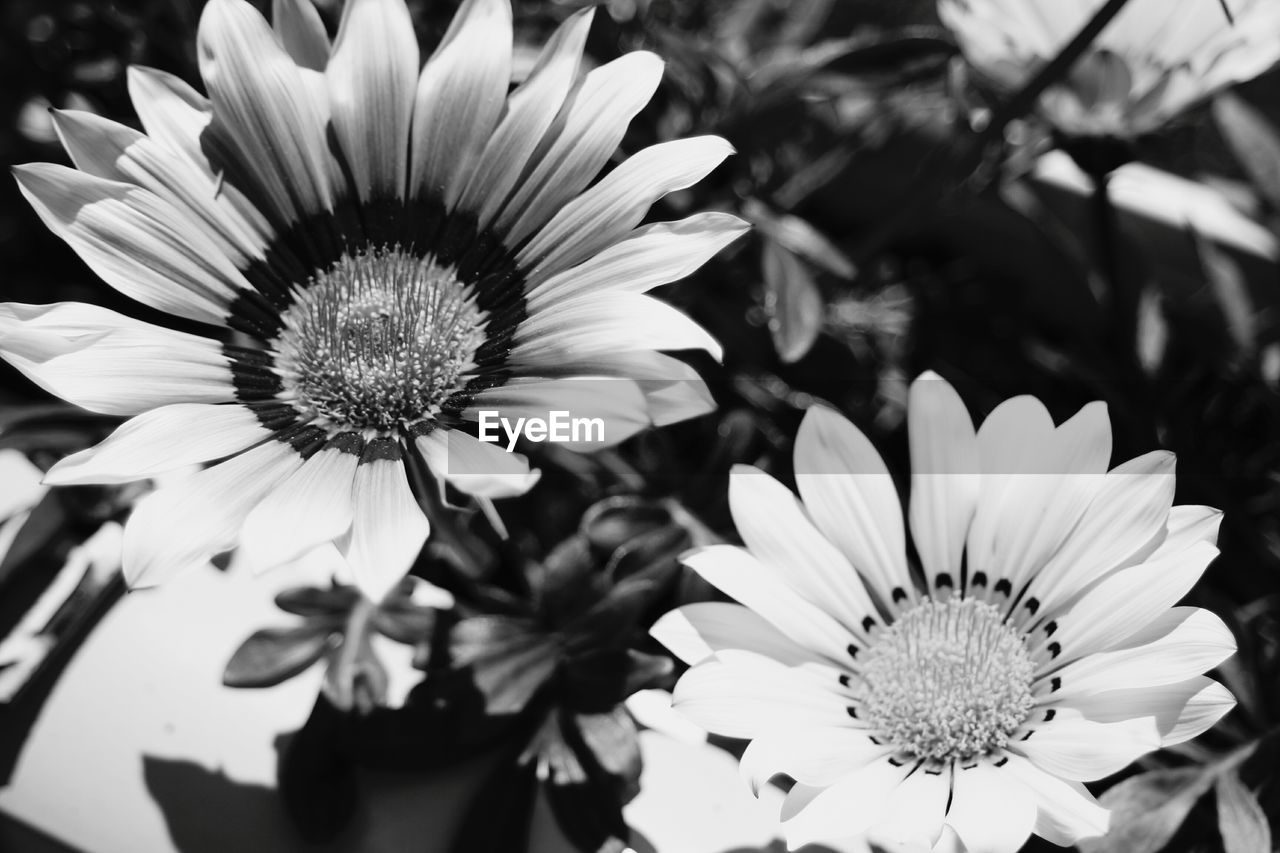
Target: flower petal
[[301, 32], [476, 467], [609, 210], [913, 816], [773, 524], [389, 528], [1183, 710], [812, 755], [749, 701], [651, 256], [22, 485], [459, 98], [1188, 525], [850, 807], [695, 632], [172, 113], [945, 480], [990, 811], [109, 363], [593, 124], [309, 508], [605, 323], [531, 109], [1065, 811], [135, 241], [1084, 750], [162, 440], [738, 574], [183, 525], [371, 79], [849, 494]]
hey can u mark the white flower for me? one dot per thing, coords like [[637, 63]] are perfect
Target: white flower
[[1024, 643], [1156, 59], [387, 249]]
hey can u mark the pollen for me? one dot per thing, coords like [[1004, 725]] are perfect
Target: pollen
[[378, 340], [947, 680]]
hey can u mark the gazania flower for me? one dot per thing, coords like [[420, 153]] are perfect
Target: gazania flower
[[386, 249], [1031, 647], [1157, 58]]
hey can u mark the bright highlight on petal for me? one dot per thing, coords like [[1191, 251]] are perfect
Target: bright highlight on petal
[[382, 244], [1034, 647]]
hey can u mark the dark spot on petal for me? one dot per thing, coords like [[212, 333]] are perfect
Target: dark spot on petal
[[979, 578], [1004, 587]]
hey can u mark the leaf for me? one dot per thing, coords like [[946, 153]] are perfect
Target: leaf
[[1148, 809], [1231, 291], [1254, 141], [308, 601], [793, 302], [274, 655], [1241, 820], [800, 237], [45, 520]]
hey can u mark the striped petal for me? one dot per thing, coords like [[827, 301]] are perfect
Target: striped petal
[[388, 529], [602, 324], [109, 363], [297, 24], [695, 632]]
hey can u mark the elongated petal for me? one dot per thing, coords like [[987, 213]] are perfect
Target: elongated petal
[[1188, 525], [849, 494], [945, 479], [274, 119], [654, 255], [813, 755], [459, 98], [371, 79], [22, 486], [162, 440], [138, 243], [311, 507], [603, 324], [609, 210], [1084, 750], [388, 528], [1065, 811], [172, 113], [596, 119], [109, 363], [848, 808], [1182, 710], [298, 24], [738, 574], [990, 811], [531, 109], [749, 702], [183, 525], [695, 632], [476, 467], [912, 818]]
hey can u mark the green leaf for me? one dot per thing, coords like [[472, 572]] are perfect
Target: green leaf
[[793, 302], [1254, 141], [1241, 820], [274, 655]]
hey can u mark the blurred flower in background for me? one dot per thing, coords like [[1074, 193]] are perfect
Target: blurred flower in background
[[1156, 59], [1036, 648], [441, 258]]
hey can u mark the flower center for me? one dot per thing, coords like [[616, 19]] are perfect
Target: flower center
[[379, 339], [947, 680]]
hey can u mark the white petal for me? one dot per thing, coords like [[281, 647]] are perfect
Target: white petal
[[371, 79], [847, 808], [162, 440], [22, 487], [945, 479], [137, 242], [607, 323], [811, 755], [274, 119], [1084, 750], [1183, 710], [848, 492], [530, 111], [1188, 525], [313, 506], [183, 525], [476, 467], [109, 363], [990, 811], [172, 113], [582, 413], [298, 24], [773, 524], [747, 702], [696, 631], [1119, 527], [738, 574], [1127, 601], [651, 256], [460, 98], [1066, 812], [1190, 641], [594, 123], [913, 816], [609, 210], [389, 528]]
